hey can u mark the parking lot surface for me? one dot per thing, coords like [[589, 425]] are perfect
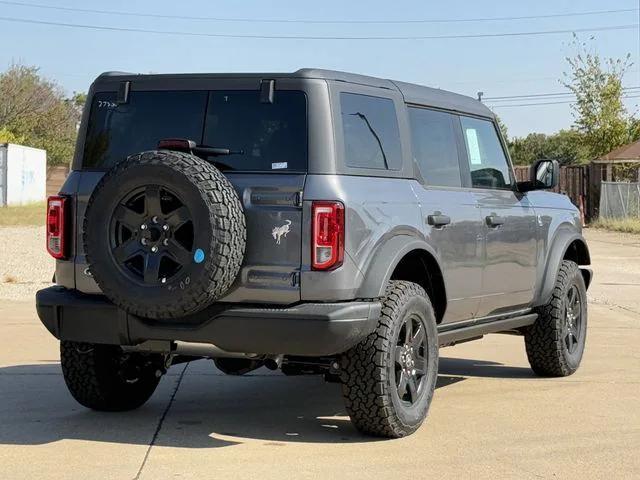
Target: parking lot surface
[[490, 417]]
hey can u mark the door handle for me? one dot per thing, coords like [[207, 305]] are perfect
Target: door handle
[[494, 221], [438, 220]]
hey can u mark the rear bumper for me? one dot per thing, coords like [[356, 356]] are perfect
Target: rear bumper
[[309, 329]]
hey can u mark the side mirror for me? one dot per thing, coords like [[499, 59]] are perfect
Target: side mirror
[[543, 175]]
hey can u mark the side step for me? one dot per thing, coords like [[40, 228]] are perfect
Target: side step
[[450, 334]]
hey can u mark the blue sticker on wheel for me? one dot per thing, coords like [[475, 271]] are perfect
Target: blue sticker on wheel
[[198, 256]]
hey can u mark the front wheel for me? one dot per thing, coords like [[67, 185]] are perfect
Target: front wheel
[[555, 342], [106, 378], [389, 378]]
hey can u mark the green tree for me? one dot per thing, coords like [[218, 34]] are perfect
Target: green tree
[[599, 112], [566, 146], [9, 137], [35, 112]]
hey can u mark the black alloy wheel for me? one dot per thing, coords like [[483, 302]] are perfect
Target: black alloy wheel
[[151, 235], [411, 358], [573, 317]]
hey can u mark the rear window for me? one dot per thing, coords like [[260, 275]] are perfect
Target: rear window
[[267, 136], [371, 133]]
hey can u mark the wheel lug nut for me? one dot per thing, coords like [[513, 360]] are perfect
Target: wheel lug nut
[[164, 280], [143, 227], [143, 241], [154, 249], [165, 227], [154, 219], [165, 242]]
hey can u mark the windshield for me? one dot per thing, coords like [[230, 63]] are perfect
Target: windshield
[[264, 136]]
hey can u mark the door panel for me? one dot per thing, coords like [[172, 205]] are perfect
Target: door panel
[[509, 221], [510, 231], [459, 245]]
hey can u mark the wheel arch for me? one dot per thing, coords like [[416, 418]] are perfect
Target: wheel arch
[[404, 257], [567, 244]]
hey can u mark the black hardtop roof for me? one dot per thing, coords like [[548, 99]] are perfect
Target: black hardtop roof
[[413, 93]]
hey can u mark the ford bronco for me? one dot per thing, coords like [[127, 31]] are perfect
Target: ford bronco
[[318, 222]]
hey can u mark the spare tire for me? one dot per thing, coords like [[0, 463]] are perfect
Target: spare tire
[[164, 234]]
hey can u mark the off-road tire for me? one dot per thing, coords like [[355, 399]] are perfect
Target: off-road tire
[[93, 374], [219, 230], [547, 351], [368, 388]]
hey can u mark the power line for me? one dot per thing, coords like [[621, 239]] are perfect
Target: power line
[[306, 21], [507, 98], [312, 37], [564, 102]]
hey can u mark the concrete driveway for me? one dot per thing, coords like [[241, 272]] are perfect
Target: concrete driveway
[[490, 418]]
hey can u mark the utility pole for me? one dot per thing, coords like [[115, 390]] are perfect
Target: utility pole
[[480, 94]]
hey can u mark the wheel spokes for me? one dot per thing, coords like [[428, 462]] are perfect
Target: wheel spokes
[[128, 217], [127, 250], [178, 252], [418, 337], [413, 388], [420, 366], [151, 268], [408, 332], [178, 217], [398, 356], [152, 200], [402, 384]]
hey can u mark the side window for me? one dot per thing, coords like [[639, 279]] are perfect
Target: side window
[[487, 161], [371, 133], [434, 147]]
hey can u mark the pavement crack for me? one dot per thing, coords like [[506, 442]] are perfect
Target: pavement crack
[[612, 306], [160, 422]]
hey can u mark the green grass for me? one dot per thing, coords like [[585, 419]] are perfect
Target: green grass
[[625, 225], [31, 214]]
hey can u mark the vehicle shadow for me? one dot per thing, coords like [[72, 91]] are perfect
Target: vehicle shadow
[[208, 410]]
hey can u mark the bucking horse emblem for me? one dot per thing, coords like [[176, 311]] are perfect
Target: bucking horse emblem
[[279, 232]]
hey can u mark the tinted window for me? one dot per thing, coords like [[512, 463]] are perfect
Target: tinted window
[[272, 136], [434, 146], [117, 131], [487, 161], [371, 134], [269, 136]]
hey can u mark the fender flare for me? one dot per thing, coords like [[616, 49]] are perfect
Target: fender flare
[[385, 259], [563, 238]]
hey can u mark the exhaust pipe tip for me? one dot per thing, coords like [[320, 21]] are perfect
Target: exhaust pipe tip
[[273, 363]]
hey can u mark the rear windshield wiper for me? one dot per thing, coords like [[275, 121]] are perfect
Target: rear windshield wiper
[[215, 151], [186, 145], [203, 151]]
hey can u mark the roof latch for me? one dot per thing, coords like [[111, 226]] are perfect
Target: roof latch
[[123, 93], [267, 91]]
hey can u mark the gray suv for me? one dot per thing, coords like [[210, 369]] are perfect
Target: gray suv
[[316, 222]]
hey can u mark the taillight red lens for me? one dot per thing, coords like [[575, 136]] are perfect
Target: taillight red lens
[[56, 228], [327, 249]]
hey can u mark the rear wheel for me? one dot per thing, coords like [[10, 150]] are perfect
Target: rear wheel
[[389, 378], [104, 377], [555, 342]]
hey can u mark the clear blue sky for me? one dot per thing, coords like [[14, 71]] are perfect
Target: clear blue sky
[[496, 66]]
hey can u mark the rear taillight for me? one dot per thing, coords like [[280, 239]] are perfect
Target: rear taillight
[[56, 226], [327, 230]]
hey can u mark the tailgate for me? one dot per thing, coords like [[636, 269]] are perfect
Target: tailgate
[[273, 212]]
